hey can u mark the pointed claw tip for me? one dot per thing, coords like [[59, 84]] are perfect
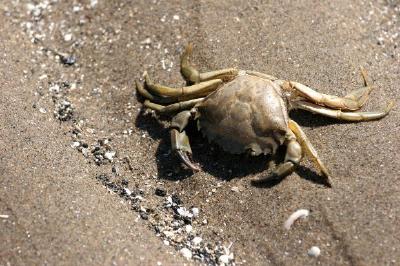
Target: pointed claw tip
[[186, 160]]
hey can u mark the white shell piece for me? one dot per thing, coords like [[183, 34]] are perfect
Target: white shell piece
[[302, 213]]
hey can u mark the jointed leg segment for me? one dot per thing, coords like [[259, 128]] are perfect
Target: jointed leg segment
[[351, 102], [172, 107], [192, 75], [332, 106], [297, 143], [338, 114], [308, 148], [198, 90], [180, 141]]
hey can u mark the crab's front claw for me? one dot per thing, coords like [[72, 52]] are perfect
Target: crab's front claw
[[180, 144]]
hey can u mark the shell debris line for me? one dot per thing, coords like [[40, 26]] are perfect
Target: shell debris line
[[302, 213]]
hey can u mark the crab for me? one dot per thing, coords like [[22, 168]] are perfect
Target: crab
[[247, 112]]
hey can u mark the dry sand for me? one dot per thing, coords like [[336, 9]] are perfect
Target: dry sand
[[75, 141]]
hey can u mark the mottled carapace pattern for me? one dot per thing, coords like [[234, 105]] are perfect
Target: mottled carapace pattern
[[246, 114]]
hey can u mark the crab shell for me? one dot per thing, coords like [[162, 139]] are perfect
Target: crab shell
[[247, 114]]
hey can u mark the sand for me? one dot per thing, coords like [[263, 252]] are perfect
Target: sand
[[74, 137]]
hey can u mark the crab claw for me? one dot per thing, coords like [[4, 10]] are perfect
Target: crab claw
[[180, 144], [187, 161]]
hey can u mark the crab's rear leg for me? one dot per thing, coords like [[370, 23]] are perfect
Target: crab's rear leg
[[192, 75], [297, 143], [292, 158], [351, 102], [338, 114], [180, 141], [308, 148]]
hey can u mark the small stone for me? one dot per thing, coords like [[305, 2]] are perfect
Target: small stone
[[146, 41], [235, 189], [314, 252], [160, 192], [127, 191], [55, 88], [85, 152], [195, 212], [169, 234], [93, 3], [144, 216], [175, 17], [188, 228], [166, 242], [109, 155], [186, 253], [183, 212], [197, 240], [68, 37], [224, 259], [205, 221], [42, 110], [75, 144], [68, 60]]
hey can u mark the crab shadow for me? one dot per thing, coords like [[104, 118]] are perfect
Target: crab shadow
[[212, 158]]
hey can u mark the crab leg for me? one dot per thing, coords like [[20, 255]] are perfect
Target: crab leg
[[348, 116], [193, 76], [172, 107], [154, 98], [184, 93], [352, 101], [292, 158], [180, 141], [308, 148]]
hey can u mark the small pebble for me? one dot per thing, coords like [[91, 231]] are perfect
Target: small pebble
[[109, 155], [160, 192], [188, 228], [224, 259], [314, 252], [75, 144], [184, 213], [197, 240], [186, 253], [42, 110], [127, 191], [68, 37], [85, 152], [235, 189], [68, 60], [195, 212], [93, 3]]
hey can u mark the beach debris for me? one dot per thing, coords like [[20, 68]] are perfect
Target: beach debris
[[227, 256], [63, 110], [302, 213], [4, 216], [160, 192], [314, 251], [186, 253]]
